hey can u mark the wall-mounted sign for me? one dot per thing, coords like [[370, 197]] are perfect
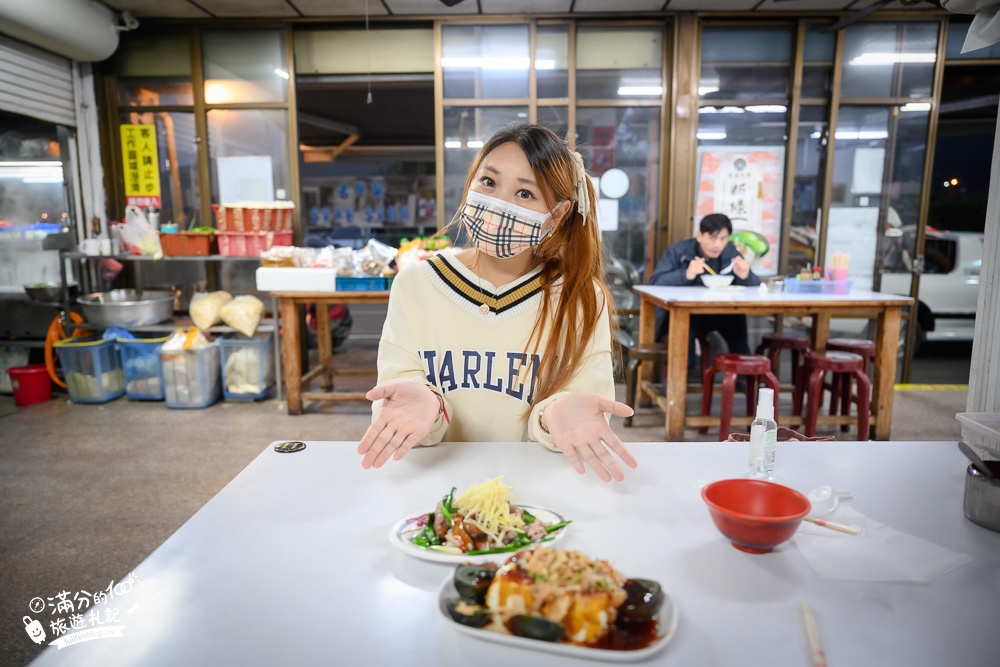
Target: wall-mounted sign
[[141, 166], [745, 183]]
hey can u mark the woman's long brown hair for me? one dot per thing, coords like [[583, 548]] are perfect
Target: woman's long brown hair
[[572, 251]]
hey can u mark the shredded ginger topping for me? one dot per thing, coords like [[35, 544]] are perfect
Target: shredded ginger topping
[[487, 506]]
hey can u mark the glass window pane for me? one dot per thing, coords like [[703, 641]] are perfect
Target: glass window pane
[[31, 175], [625, 138], [889, 60], [613, 63], [819, 45], [154, 69], [552, 61], [177, 158], [741, 166], [248, 155], [556, 119], [466, 129], [244, 66], [963, 150], [745, 63], [958, 28], [810, 157], [485, 61], [817, 70]]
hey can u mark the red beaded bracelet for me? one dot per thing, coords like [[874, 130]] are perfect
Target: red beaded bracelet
[[443, 410]]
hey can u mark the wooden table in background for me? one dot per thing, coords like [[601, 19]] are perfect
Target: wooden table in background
[[682, 302], [291, 346]]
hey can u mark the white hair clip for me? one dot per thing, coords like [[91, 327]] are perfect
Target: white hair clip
[[582, 200]]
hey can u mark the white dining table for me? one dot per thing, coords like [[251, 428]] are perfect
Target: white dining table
[[291, 564]]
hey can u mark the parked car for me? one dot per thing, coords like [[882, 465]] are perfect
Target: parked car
[[949, 285]]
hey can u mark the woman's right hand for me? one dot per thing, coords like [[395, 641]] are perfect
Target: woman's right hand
[[408, 414]]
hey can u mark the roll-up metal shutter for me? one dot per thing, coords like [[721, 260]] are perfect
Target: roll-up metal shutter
[[36, 83]]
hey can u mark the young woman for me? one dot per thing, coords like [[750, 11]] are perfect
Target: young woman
[[508, 340]]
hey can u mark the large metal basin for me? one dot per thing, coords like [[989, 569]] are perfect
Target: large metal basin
[[127, 308]]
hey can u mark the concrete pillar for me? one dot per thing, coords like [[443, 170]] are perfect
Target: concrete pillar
[[984, 376]]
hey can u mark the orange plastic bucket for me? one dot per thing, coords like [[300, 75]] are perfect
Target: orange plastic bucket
[[31, 384]]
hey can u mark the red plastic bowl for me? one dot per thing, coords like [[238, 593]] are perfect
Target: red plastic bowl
[[755, 515]]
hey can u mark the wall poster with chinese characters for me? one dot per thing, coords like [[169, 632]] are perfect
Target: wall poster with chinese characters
[[745, 183], [141, 166]]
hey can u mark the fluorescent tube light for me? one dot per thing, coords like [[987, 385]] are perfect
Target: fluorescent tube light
[[639, 91], [712, 135], [893, 58]]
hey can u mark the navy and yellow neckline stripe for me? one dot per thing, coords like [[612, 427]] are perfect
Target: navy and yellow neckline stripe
[[473, 294]]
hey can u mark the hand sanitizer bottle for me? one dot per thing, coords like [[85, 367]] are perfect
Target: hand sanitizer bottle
[[763, 437]]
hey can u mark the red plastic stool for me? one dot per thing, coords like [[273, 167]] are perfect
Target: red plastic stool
[[842, 392], [731, 365], [772, 344], [810, 381]]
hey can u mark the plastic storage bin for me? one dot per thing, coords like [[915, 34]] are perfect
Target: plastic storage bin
[[982, 431], [142, 366], [92, 369], [361, 284], [247, 367], [795, 285], [191, 378], [188, 244], [260, 217], [250, 244]]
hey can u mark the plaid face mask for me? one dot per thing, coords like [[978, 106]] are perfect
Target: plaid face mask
[[501, 229]]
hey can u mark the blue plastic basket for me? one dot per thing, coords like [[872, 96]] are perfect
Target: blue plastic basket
[[91, 368], [143, 368], [247, 367], [191, 378], [361, 284], [795, 285]]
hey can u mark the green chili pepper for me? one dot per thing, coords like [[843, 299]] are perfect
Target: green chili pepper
[[446, 507], [556, 526], [528, 517]]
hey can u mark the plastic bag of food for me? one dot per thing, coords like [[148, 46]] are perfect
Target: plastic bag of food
[[192, 339], [243, 314], [139, 237], [206, 306]]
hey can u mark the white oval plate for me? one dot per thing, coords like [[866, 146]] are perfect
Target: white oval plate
[[403, 531], [667, 628]]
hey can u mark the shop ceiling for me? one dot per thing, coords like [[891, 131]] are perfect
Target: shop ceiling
[[318, 9]]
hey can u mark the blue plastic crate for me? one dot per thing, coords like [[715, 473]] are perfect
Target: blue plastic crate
[[191, 378], [91, 368], [247, 367], [143, 368], [361, 284]]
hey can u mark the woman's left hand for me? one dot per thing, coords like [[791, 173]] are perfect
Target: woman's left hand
[[582, 434]]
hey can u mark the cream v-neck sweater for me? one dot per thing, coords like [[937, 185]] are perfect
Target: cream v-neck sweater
[[435, 333]]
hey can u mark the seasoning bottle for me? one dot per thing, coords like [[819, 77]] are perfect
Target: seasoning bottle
[[763, 437]]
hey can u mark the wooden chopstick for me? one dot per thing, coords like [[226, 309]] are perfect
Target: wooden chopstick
[[833, 526], [708, 268], [812, 635]]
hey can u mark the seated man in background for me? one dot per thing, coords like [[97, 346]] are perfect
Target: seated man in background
[[683, 264]]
